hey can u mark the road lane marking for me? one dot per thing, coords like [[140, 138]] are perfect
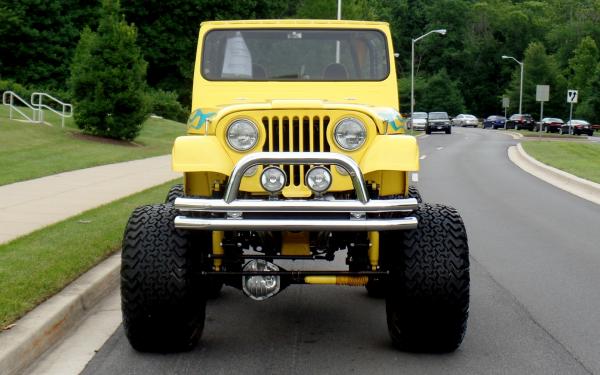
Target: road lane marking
[[439, 148], [423, 157]]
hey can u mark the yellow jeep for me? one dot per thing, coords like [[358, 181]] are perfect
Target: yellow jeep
[[295, 151]]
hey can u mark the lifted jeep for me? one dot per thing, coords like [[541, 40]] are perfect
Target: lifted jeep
[[295, 150]]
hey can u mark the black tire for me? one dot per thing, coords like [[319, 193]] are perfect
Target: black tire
[[427, 131], [175, 191], [162, 294], [427, 299], [449, 130]]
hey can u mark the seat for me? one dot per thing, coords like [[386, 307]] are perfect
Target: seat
[[335, 72]]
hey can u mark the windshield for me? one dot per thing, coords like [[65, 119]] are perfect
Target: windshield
[[294, 55], [438, 116], [470, 117], [419, 115]]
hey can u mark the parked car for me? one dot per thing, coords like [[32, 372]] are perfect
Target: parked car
[[418, 120], [577, 127], [551, 124], [494, 122], [520, 121], [465, 120], [437, 122]]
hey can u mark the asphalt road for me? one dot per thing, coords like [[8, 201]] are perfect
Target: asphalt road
[[535, 290]]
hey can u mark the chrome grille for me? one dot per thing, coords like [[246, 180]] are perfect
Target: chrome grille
[[296, 133]]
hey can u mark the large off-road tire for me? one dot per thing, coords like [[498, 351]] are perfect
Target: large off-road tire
[[162, 293], [175, 191], [427, 298]]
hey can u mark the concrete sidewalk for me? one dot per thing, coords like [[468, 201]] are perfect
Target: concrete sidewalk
[[30, 205]]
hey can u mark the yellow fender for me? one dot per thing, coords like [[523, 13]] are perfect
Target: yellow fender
[[391, 153], [197, 153]]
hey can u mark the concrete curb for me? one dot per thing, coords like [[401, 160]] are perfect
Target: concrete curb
[[575, 185], [51, 321]]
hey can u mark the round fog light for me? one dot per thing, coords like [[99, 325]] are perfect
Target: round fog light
[[318, 179], [273, 179]]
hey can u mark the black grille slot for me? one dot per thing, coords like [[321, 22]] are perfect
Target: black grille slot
[[296, 133]]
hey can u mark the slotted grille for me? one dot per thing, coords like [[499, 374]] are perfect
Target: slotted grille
[[296, 133]]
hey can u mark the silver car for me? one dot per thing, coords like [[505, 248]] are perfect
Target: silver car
[[465, 120], [419, 120]]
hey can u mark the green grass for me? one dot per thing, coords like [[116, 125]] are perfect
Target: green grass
[[36, 266], [34, 150], [578, 158]]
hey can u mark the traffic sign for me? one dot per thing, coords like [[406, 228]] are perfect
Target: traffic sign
[[505, 102], [572, 96], [542, 93]]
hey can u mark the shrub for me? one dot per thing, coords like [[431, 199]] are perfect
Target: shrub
[[108, 78], [22, 91], [165, 104]]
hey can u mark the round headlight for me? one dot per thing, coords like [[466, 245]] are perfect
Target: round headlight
[[318, 179], [350, 133], [242, 135], [273, 179]]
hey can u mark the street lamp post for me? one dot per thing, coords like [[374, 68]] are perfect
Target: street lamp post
[[521, 86], [412, 71]]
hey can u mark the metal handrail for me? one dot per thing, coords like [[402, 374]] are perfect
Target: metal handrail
[[67, 109], [8, 98]]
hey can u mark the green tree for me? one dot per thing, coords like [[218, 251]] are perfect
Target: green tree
[[39, 39], [327, 9], [583, 63], [589, 108], [404, 93], [540, 69], [441, 94], [569, 22], [108, 78]]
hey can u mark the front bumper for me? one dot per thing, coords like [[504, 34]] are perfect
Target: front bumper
[[360, 214], [433, 126]]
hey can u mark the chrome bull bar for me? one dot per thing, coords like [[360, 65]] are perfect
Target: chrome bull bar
[[232, 210]]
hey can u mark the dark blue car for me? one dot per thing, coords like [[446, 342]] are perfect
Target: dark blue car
[[494, 122]]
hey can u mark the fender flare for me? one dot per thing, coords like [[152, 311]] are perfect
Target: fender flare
[[196, 153]]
